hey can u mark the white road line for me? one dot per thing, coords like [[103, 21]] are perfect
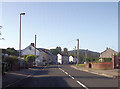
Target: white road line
[[66, 73], [72, 77], [82, 85], [76, 80]]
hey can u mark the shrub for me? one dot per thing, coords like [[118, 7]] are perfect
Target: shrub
[[25, 56], [12, 59], [107, 59], [89, 59], [29, 58]]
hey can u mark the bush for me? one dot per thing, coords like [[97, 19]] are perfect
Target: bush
[[25, 56], [29, 58], [91, 59], [107, 59], [11, 59]]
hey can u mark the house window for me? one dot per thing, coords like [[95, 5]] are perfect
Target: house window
[[29, 48]]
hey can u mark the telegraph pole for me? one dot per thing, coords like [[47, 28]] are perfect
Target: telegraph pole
[[75, 54], [35, 45], [77, 51]]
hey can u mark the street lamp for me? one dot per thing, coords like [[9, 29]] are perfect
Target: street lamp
[[20, 36], [1, 34]]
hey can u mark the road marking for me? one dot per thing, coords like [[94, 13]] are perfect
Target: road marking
[[82, 85], [66, 73], [74, 78]]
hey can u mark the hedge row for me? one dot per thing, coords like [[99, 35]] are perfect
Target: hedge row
[[91, 59], [97, 60], [11, 59]]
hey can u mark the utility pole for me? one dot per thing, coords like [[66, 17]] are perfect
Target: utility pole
[[75, 54], [20, 36], [86, 53], [77, 51], [35, 45]]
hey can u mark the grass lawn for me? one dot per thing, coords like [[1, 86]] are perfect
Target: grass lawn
[[81, 65]]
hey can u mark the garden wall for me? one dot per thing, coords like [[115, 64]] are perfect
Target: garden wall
[[102, 65], [87, 65]]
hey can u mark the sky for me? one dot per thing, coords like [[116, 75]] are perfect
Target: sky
[[95, 24]]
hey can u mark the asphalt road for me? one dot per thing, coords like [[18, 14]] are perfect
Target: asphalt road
[[65, 76]]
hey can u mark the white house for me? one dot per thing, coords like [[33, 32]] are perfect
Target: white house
[[63, 59], [30, 50], [43, 56], [71, 59], [59, 58]]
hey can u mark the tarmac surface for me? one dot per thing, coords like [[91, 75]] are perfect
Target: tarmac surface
[[57, 76]]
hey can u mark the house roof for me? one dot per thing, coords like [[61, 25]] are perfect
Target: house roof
[[63, 54], [109, 49], [44, 50]]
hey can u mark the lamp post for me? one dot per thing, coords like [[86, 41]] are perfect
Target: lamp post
[[78, 52], [20, 36], [1, 34]]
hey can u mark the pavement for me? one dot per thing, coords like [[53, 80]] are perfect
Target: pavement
[[56, 76], [107, 73]]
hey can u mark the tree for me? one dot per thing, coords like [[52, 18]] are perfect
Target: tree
[[65, 51], [10, 51], [119, 54], [55, 51]]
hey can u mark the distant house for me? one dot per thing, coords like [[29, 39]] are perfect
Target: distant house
[[63, 59], [108, 53], [71, 59], [48, 57]]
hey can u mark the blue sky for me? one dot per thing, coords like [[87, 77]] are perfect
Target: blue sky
[[60, 24]]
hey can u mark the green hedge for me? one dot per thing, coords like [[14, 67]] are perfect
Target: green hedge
[[107, 59], [29, 58], [91, 59], [11, 59]]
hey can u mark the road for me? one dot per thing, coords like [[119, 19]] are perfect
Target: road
[[65, 76]]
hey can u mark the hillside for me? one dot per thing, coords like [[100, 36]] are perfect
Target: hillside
[[85, 53]]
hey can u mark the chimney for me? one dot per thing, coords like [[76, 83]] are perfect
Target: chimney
[[107, 48], [32, 44]]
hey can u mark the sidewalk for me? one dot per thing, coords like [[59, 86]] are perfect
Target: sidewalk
[[106, 73]]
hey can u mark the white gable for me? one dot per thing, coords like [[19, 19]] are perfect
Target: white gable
[[30, 50]]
